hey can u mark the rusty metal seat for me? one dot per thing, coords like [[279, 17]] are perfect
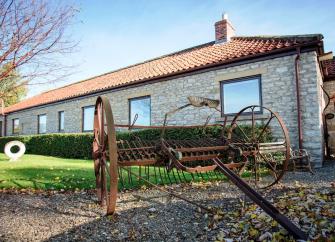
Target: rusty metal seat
[[301, 160]]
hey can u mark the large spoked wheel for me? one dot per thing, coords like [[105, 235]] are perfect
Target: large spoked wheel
[[263, 137], [105, 155]]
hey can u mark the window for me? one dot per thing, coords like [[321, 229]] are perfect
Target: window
[[42, 124], [239, 93], [142, 107], [16, 126], [88, 118], [61, 121]]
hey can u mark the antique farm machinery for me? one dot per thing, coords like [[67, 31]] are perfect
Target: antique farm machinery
[[255, 143]]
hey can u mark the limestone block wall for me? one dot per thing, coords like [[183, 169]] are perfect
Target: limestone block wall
[[278, 93], [330, 88]]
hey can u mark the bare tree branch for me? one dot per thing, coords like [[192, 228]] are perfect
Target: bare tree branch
[[33, 38]]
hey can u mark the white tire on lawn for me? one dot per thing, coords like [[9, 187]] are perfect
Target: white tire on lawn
[[17, 155]]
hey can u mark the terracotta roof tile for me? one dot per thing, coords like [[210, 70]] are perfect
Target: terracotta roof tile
[[178, 62]]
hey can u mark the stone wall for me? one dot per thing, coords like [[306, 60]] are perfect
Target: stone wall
[[330, 89], [278, 93]]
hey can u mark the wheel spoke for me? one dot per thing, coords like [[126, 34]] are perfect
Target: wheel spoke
[[253, 123], [268, 162], [254, 145], [242, 131], [265, 126]]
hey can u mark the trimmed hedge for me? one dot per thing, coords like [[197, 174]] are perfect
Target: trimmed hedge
[[80, 145], [61, 145]]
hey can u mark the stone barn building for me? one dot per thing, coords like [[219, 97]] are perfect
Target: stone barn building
[[264, 70]]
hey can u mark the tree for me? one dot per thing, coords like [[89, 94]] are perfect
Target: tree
[[12, 90], [33, 37]]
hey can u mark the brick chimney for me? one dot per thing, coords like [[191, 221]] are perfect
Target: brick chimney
[[224, 30]]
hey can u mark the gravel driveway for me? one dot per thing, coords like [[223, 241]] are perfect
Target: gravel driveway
[[141, 215]]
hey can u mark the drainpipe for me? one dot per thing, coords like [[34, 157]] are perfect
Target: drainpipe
[[2, 113], [4, 125], [297, 79]]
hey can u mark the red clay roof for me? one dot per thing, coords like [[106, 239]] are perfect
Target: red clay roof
[[197, 57], [329, 68]]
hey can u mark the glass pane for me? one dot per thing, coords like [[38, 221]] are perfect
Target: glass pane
[[16, 125], [238, 95], [141, 107], [42, 124], [88, 118], [61, 120]]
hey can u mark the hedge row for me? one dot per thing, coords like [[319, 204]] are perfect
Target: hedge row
[[61, 145], [80, 145]]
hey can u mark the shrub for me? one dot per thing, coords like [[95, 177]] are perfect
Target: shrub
[[61, 145], [80, 145]]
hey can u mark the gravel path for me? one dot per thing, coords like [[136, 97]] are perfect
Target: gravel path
[[141, 215]]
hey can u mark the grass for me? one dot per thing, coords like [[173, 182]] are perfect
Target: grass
[[45, 172]]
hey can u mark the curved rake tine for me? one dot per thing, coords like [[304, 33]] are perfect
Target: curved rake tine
[[200, 174], [216, 175], [182, 172], [140, 175], [160, 174], [193, 177], [213, 176], [155, 174], [207, 174], [174, 176], [147, 172], [166, 174], [121, 177], [171, 193], [130, 176], [180, 178]]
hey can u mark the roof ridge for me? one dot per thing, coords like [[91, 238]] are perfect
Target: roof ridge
[[318, 36]]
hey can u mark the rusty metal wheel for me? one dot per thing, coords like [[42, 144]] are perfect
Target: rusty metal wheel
[[263, 137], [105, 155]]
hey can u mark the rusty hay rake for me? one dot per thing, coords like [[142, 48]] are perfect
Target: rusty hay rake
[[243, 146]]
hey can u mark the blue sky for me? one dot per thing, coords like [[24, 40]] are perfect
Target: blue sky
[[115, 34]]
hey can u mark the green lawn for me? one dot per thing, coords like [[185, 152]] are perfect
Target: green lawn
[[45, 172]]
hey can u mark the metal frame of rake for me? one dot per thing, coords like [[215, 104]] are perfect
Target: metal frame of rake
[[230, 155]]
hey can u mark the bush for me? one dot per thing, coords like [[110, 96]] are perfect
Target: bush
[[61, 145], [80, 145]]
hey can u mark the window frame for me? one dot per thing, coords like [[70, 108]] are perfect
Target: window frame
[[59, 121], [13, 120], [136, 99], [83, 118], [38, 123], [241, 79]]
